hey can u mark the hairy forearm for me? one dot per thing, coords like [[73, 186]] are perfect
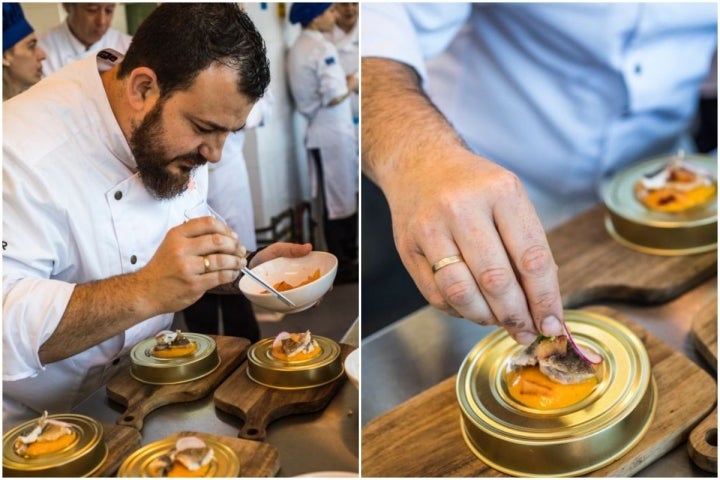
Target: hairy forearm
[[96, 312], [400, 125]]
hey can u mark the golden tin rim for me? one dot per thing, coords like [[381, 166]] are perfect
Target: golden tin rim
[[658, 233], [510, 436], [268, 371], [84, 457], [224, 464], [153, 370]]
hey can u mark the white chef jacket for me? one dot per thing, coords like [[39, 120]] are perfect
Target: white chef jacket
[[62, 48], [315, 79], [347, 45], [74, 211], [560, 94]]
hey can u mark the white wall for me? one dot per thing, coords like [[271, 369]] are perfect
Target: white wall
[[274, 152]]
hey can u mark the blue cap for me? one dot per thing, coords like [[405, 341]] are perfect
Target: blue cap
[[15, 27], [304, 13]]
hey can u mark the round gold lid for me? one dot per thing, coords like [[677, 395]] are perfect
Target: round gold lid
[[225, 462], [660, 233], [573, 440], [82, 458], [148, 368], [265, 369]]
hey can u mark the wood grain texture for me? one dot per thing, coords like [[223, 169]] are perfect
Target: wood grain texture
[[142, 398], [594, 267], [704, 333], [121, 442], [257, 406], [422, 437]]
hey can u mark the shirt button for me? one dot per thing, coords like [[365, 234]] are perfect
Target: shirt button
[[133, 259], [116, 361], [638, 69], [118, 195]]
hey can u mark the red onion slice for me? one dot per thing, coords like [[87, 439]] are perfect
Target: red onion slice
[[586, 354]]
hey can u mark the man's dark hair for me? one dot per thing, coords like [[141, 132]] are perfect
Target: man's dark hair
[[179, 40]]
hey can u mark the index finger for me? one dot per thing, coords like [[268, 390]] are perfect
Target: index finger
[[199, 226], [527, 246]]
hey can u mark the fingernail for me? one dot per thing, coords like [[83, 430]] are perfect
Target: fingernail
[[526, 338], [551, 326], [235, 235], [243, 251]]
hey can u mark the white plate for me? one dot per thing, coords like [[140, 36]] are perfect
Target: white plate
[[352, 367]]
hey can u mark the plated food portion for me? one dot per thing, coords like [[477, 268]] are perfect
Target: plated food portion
[[563, 406], [664, 206], [172, 357], [186, 455], [302, 280], [677, 186], [60, 445], [294, 360], [547, 374]]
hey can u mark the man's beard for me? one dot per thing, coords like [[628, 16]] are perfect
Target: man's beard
[[146, 144]]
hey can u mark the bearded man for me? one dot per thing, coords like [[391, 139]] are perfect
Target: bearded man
[[102, 164]]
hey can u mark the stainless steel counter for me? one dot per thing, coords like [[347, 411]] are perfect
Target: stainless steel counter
[[317, 442], [426, 347]]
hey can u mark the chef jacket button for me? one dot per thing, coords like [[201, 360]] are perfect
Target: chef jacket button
[[638, 69], [118, 195], [133, 259], [116, 361]]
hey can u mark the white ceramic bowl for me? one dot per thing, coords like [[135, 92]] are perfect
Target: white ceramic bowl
[[352, 367], [294, 271]]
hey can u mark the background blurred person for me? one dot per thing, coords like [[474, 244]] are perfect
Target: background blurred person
[[22, 56], [85, 31], [345, 38], [321, 92]]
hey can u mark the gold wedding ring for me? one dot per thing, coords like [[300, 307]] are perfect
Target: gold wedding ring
[[444, 262], [206, 261]]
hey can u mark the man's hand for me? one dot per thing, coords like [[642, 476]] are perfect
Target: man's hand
[[446, 201], [280, 249]]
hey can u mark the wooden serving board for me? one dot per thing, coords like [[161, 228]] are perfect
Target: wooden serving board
[[593, 266], [701, 446], [704, 333], [121, 441], [257, 406], [142, 398], [422, 437]]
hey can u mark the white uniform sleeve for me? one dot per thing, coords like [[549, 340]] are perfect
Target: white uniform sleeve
[[411, 33], [332, 82], [33, 304]]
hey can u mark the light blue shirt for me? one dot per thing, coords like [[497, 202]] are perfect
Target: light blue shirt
[[560, 94]]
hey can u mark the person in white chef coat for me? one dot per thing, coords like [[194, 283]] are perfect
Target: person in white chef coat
[[85, 30], [104, 169], [345, 37], [485, 123], [22, 56], [322, 94]]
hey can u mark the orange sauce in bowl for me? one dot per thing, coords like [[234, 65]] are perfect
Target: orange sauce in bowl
[[533, 388]]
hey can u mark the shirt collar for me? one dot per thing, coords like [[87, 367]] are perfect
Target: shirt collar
[[113, 136]]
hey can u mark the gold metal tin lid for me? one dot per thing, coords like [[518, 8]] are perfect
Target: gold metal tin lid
[[82, 458], [148, 368], [225, 462], [569, 441], [632, 224], [265, 369]]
